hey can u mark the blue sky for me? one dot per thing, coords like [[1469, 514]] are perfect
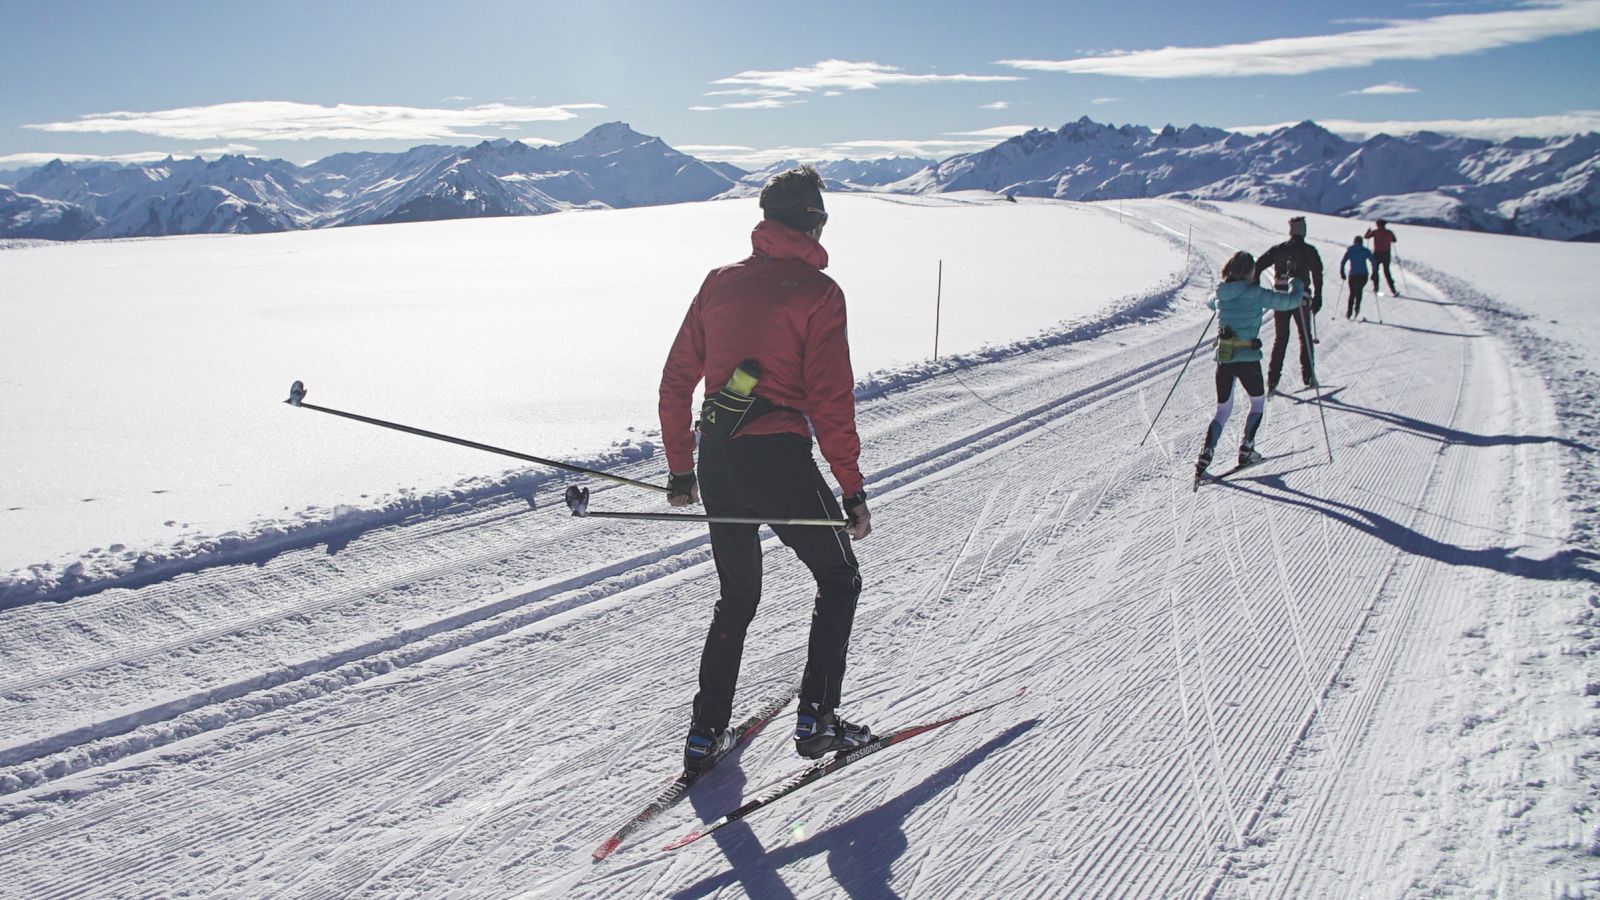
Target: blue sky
[[753, 81]]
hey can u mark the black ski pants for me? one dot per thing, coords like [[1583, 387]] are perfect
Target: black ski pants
[[1358, 283], [772, 476], [1280, 344], [1380, 261]]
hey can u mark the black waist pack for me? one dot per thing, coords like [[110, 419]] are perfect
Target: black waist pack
[[737, 404]]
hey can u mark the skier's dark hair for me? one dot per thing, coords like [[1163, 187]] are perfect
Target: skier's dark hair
[[795, 198], [1358, 240], [1239, 267]]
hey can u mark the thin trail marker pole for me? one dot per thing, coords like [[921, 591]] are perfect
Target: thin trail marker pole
[[1175, 381], [938, 301], [1187, 247]]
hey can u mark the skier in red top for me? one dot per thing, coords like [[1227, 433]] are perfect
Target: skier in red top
[[1382, 239], [767, 334]]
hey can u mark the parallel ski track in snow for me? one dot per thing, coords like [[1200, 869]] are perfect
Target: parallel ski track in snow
[[1207, 671], [371, 597]]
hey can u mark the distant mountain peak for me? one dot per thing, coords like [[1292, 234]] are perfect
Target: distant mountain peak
[[607, 138]]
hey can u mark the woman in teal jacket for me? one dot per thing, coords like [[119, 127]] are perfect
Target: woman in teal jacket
[[1240, 303]]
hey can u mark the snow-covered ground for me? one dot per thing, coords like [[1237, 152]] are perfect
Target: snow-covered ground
[[142, 380], [1370, 677]]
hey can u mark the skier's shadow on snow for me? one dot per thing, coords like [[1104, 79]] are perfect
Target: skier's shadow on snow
[[861, 850], [1563, 566], [1426, 330], [1446, 435]]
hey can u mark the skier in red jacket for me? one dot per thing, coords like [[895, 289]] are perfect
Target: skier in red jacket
[[1382, 241], [767, 334]]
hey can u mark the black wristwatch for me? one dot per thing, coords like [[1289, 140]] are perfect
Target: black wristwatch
[[851, 502]]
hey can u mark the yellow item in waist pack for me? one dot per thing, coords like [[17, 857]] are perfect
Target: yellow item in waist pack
[[744, 381], [725, 412]]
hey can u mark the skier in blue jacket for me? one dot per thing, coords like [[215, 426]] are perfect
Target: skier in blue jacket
[[1358, 259], [1239, 304]]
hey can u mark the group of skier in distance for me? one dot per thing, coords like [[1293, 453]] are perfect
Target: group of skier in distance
[[767, 336], [1296, 296]]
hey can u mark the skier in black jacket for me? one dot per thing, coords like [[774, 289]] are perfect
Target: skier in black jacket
[[1293, 258]]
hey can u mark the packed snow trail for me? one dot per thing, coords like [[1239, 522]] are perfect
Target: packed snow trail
[[1309, 680]]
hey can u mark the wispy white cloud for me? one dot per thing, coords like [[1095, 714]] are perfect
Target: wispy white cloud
[[852, 76], [1576, 122], [1389, 88], [268, 120], [225, 150], [701, 150], [832, 77], [1406, 39], [751, 158], [999, 131], [933, 148], [1103, 100], [998, 104], [20, 160]]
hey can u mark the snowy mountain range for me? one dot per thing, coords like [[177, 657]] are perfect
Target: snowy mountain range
[[1547, 188], [612, 166]]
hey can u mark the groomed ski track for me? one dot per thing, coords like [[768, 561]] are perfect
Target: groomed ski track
[[1231, 693]]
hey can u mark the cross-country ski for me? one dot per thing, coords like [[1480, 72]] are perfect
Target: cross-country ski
[[679, 787], [819, 770]]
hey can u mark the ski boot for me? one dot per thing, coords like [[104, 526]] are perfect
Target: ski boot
[[1201, 465], [704, 747], [1248, 455], [819, 732]]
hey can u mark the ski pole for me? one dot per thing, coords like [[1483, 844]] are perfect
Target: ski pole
[[578, 502], [1377, 303], [1403, 279], [1315, 379], [1179, 378], [297, 393]]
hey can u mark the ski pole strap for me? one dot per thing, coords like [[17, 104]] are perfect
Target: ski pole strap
[[297, 393]]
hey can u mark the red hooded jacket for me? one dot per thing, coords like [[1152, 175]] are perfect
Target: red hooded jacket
[[777, 308]]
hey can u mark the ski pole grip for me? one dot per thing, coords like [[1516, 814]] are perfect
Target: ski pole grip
[[578, 500], [297, 392]]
